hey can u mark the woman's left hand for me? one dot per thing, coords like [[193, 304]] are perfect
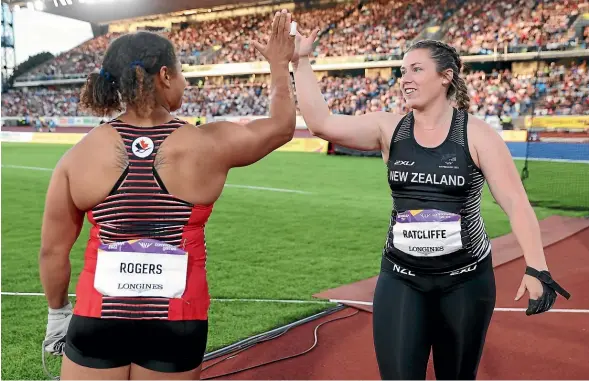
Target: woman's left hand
[[533, 285]]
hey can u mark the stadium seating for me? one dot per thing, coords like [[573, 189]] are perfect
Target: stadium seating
[[563, 91], [478, 26], [560, 90], [381, 29]]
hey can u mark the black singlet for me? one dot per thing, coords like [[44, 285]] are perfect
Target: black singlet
[[436, 225]]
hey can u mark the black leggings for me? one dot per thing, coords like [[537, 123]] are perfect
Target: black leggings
[[449, 314]]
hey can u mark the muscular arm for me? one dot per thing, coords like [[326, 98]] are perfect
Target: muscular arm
[[237, 145], [504, 182], [62, 223], [361, 132]]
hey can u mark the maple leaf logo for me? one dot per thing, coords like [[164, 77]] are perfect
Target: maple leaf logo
[[142, 146]]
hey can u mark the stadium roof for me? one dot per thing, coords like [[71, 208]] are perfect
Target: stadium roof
[[107, 11]]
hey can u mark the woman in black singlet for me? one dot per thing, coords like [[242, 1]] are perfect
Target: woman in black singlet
[[436, 289]]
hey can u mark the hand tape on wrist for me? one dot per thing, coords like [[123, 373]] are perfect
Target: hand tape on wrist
[[58, 320], [548, 297], [293, 28], [545, 277]]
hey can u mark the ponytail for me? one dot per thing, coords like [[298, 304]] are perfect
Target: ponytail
[[128, 72], [461, 93], [100, 95], [138, 88]]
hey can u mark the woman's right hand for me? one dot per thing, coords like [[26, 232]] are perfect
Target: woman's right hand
[[303, 45], [281, 45]]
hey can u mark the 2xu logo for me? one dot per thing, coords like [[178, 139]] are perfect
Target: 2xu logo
[[464, 270], [403, 162]]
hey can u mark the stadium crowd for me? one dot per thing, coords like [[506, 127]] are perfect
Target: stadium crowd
[[477, 27], [563, 90], [381, 29], [559, 89], [74, 63], [239, 48]]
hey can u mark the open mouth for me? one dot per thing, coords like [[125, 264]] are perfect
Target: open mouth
[[409, 91]]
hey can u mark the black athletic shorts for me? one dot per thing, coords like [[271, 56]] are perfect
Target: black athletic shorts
[[158, 345]]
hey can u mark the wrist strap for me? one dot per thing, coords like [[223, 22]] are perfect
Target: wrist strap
[[545, 277], [65, 309]]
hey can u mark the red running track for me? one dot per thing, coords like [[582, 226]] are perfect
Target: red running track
[[553, 345]]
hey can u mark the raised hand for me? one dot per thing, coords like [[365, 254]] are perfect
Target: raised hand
[[281, 45], [304, 45]]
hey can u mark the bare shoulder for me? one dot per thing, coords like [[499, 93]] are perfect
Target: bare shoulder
[[486, 145], [191, 139], [388, 120], [99, 134], [93, 145], [477, 122], [216, 128], [202, 134], [481, 133]]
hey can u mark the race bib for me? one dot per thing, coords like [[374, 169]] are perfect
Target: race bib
[[141, 268], [427, 233]]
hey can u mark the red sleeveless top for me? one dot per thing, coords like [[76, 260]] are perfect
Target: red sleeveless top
[[140, 207]]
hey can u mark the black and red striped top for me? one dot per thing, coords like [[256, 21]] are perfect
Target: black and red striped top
[[139, 206]]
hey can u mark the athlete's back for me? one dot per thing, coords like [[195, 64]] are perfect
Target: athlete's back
[[147, 183], [186, 161], [139, 206]]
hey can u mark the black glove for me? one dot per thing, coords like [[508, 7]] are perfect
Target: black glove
[[548, 297]]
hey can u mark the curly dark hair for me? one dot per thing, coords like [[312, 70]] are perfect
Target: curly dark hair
[[127, 75]]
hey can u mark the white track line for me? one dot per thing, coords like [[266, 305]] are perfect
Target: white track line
[[291, 301], [227, 185], [573, 161], [361, 303], [25, 167], [27, 293], [571, 310], [343, 301], [267, 189], [274, 301]]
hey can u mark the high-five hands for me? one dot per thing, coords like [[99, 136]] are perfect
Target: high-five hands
[[280, 48], [304, 45]]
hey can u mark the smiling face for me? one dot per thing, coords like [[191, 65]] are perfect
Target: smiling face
[[429, 71]]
